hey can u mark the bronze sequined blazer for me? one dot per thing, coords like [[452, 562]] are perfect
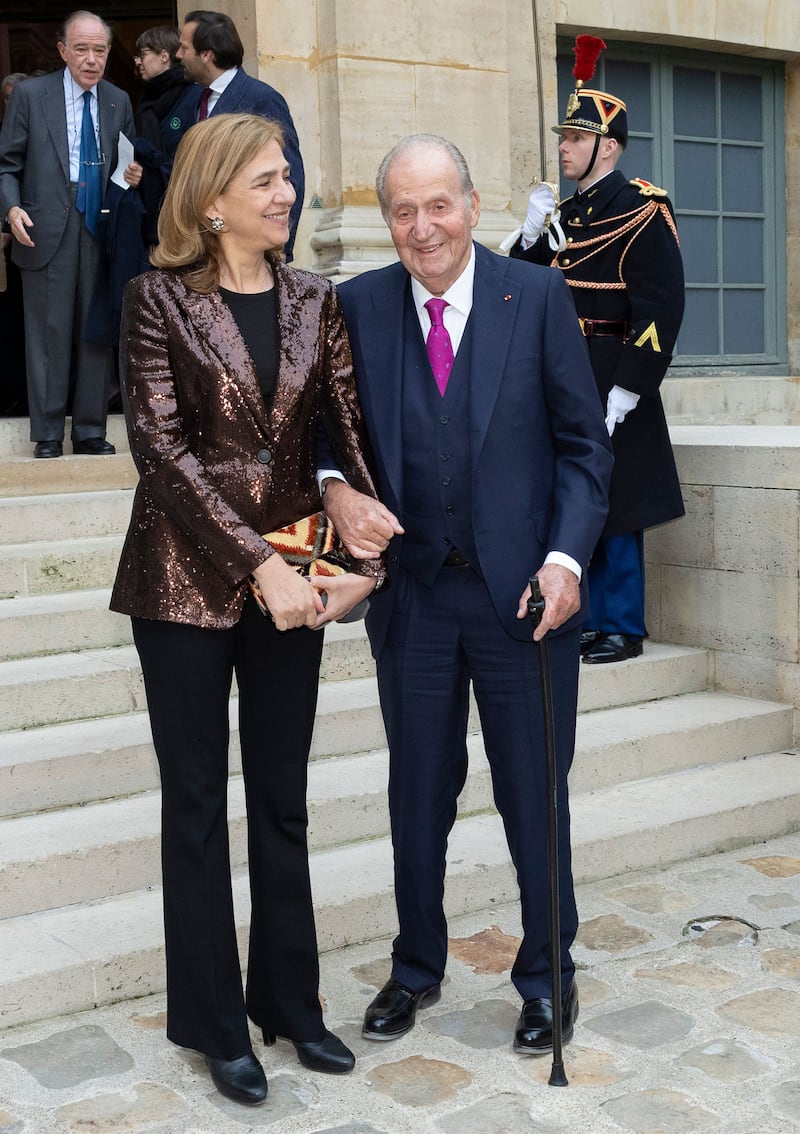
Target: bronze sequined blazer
[[217, 467]]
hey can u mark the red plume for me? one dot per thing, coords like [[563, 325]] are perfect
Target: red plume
[[587, 51]]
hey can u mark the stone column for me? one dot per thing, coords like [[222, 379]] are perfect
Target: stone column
[[386, 70], [358, 77]]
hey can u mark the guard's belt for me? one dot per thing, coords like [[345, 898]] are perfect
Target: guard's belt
[[604, 327]]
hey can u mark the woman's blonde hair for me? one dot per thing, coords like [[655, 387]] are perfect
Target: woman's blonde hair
[[209, 157]]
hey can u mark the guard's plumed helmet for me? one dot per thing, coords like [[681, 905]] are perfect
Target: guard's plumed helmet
[[597, 112]]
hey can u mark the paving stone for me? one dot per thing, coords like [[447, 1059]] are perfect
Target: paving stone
[[488, 1025], [584, 1067], [773, 1011], [707, 978], [375, 973], [782, 962], [774, 865], [718, 932], [772, 901], [644, 1026], [141, 1105], [612, 934], [709, 876], [497, 1115], [350, 1128], [591, 990], [651, 898], [416, 1081], [68, 1058], [787, 1099], [490, 951], [155, 1023], [9, 1124], [727, 1060], [287, 1097], [660, 1112]]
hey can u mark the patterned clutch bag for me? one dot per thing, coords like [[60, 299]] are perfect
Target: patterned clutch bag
[[310, 545]]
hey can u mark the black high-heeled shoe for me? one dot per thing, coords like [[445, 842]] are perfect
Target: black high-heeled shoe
[[328, 1054], [242, 1080]]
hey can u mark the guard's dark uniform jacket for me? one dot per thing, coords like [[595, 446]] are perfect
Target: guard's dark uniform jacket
[[623, 265]]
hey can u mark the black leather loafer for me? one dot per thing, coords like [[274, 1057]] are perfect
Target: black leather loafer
[[534, 1034], [393, 1011], [611, 648], [588, 639], [48, 449], [328, 1054], [242, 1080], [93, 447]]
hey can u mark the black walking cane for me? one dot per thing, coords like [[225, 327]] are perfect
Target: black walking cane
[[536, 610]]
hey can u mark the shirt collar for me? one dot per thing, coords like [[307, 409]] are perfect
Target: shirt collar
[[74, 91], [458, 295], [223, 81]]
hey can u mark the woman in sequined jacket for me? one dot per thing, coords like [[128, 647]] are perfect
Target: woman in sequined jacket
[[230, 363]]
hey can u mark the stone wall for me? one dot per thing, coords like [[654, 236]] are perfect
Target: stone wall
[[726, 575], [359, 76]]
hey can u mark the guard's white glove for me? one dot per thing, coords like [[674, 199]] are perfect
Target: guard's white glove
[[541, 206], [620, 402], [541, 215]]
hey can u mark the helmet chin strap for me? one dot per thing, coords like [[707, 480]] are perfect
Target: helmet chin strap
[[590, 166]]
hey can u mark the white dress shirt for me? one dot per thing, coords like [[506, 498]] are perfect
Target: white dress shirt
[[73, 100]]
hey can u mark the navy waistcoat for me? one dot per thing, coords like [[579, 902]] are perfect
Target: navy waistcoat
[[437, 470]]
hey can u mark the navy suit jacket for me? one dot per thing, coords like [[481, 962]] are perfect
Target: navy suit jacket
[[539, 449], [246, 95]]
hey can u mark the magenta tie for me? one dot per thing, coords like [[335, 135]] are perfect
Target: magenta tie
[[440, 349], [205, 95]]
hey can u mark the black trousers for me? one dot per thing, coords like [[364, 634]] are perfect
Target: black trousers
[[188, 673]]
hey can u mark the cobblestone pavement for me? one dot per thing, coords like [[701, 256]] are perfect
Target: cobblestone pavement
[[689, 981]]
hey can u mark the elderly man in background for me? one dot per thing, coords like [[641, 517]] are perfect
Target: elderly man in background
[[58, 148]]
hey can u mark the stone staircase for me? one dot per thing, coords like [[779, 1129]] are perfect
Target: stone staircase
[[665, 769]]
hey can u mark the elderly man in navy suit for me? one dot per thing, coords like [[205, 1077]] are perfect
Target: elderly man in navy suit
[[211, 52], [493, 463], [58, 149]]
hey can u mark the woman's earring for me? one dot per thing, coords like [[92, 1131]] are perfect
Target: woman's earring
[[217, 223]]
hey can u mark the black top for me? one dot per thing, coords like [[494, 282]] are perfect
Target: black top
[[256, 317]]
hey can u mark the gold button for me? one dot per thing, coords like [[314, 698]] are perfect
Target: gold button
[[566, 260]]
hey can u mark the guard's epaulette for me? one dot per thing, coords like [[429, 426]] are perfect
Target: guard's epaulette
[[646, 189]]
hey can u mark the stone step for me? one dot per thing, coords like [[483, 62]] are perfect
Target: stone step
[[26, 476], [80, 620], [88, 687], [732, 400], [68, 516], [70, 959], [84, 853], [91, 684], [68, 765], [15, 437], [60, 623], [42, 567]]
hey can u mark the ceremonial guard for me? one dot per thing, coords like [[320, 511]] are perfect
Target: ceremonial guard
[[616, 242]]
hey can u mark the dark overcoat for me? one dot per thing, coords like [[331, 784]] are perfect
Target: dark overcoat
[[623, 264]]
